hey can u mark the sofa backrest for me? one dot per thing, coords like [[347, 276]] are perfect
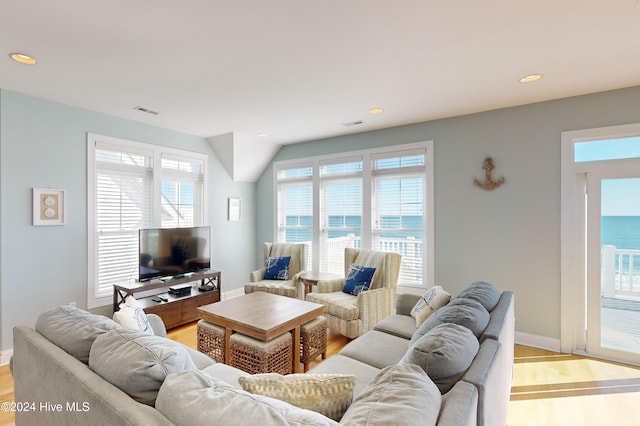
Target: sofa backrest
[[45, 374]]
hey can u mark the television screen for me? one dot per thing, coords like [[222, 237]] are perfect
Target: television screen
[[173, 252]]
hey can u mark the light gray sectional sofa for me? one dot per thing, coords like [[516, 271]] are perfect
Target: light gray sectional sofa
[[77, 368], [486, 381]]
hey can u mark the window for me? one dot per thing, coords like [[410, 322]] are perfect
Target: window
[[398, 210], [294, 191], [375, 199], [133, 186]]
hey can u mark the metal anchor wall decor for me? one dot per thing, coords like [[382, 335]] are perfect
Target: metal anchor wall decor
[[488, 184]]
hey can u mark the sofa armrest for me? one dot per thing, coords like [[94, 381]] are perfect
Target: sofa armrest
[[157, 325], [405, 303], [459, 406], [257, 276], [330, 286], [373, 306], [487, 375]]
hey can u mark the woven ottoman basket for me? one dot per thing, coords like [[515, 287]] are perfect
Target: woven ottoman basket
[[211, 340], [313, 341], [255, 356]]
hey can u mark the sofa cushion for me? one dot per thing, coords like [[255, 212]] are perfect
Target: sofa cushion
[[376, 348], [399, 395], [358, 279], [226, 373], [398, 325], [193, 398], [444, 353], [73, 330], [482, 292], [327, 394], [340, 364], [132, 316], [137, 362], [435, 298], [277, 268], [200, 359], [466, 312]]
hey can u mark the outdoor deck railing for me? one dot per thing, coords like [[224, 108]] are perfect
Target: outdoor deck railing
[[620, 272], [409, 247]]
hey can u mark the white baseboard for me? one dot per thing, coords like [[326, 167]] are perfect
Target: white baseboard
[[540, 342], [5, 356], [230, 294]]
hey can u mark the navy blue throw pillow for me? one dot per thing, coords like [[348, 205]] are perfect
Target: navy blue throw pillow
[[358, 279], [277, 268]]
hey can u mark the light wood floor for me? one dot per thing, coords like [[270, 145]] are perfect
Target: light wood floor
[[548, 388]]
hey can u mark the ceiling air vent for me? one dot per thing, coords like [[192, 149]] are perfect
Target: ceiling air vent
[[148, 111], [352, 123]]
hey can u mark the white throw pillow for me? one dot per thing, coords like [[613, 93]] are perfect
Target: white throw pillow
[[132, 316], [434, 298]]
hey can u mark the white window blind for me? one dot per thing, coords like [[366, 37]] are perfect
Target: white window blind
[[182, 191], [340, 211], [124, 183], [295, 207], [379, 199], [398, 197], [133, 186]]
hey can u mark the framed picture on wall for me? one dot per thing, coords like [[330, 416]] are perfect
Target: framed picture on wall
[[49, 206], [234, 209]]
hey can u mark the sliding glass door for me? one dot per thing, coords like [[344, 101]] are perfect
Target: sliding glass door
[[613, 261]]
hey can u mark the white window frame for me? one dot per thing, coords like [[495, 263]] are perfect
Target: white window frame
[[428, 269], [157, 173]]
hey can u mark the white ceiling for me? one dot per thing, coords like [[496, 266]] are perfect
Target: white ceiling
[[299, 70]]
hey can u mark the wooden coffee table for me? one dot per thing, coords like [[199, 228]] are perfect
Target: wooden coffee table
[[262, 316]]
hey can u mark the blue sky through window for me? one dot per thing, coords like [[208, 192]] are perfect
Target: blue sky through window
[[607, 149], [620, 197]]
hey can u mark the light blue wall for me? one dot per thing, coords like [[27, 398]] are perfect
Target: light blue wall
[[509, 236], [43, 144]]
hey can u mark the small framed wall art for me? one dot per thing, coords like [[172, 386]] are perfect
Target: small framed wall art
[[235, 209], [49, 206]]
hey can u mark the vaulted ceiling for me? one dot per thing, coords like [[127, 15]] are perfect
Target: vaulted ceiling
[[297, 70]]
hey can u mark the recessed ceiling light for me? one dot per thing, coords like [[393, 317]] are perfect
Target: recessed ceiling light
[[376, 111], [263, 134], [22, 58], [530, 78]]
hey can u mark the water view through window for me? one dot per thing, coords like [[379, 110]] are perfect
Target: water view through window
[[620, 264]]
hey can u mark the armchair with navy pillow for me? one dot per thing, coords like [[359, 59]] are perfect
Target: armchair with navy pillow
[[284, 264], [354, 304]]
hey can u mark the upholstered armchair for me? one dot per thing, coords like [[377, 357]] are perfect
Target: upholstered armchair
[[353, 315], [290, 287]]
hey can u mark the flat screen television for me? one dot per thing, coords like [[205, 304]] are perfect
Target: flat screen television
[[173, 252]]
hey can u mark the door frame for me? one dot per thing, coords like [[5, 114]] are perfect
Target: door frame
[[572, 239]]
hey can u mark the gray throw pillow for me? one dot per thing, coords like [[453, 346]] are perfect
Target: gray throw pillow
[[400, 394], [465, 312], [136, 362], [482, 292], [444, 353], [73, 330]]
